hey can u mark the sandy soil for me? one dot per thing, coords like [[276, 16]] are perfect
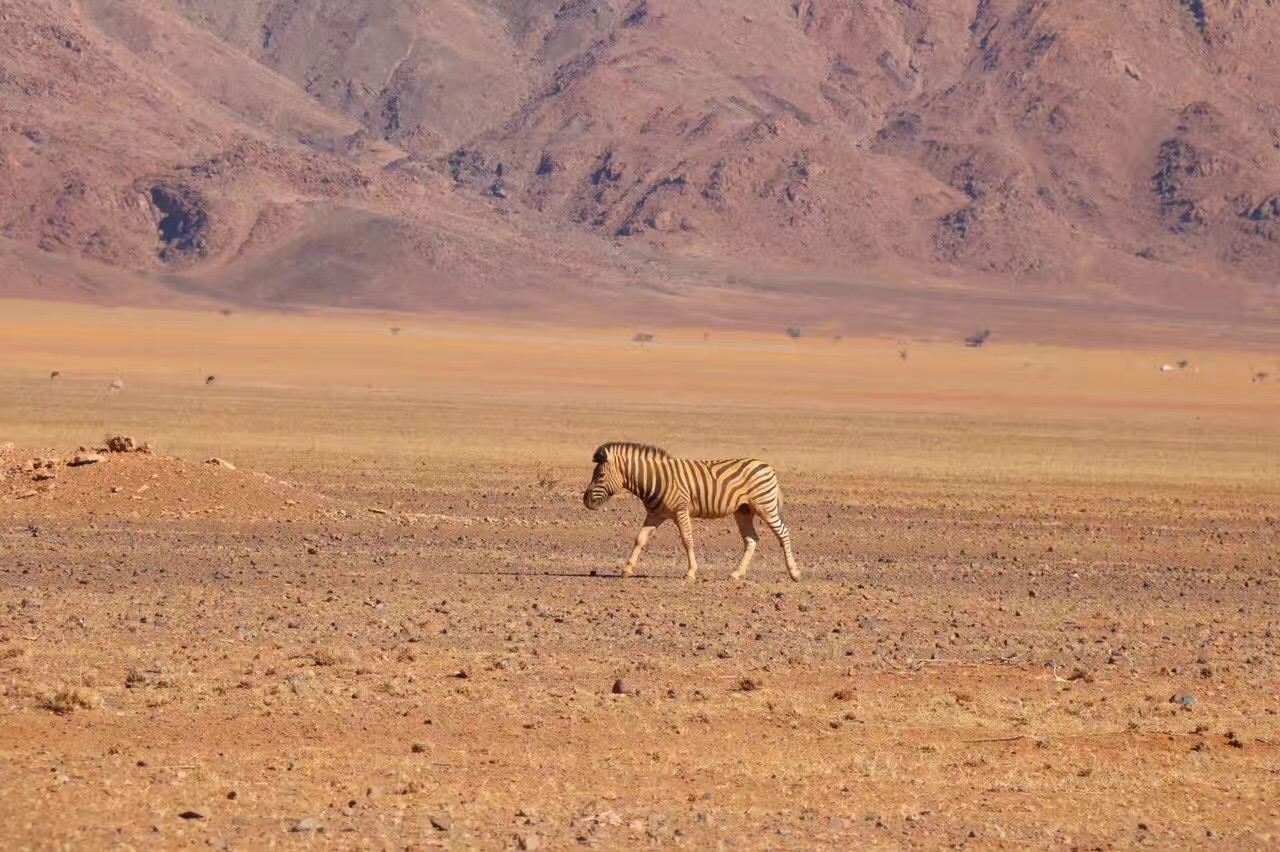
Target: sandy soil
[[393, 623]]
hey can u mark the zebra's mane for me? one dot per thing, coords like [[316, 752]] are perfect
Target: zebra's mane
[[647, 449]]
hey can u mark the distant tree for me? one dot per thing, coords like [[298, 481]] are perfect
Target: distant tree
[[978, 338], [795, 333], [643, 338], [226, 312], [395, 329]]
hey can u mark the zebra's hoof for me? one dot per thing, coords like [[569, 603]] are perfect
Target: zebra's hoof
[[795, 574], [737, 575]]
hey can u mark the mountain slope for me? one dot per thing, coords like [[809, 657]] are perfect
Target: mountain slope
[[1053, 167]]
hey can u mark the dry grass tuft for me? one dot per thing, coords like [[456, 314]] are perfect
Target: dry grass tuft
[[69, 699], [328, 656]]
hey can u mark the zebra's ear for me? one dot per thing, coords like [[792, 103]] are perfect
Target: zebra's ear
[[599, 457]]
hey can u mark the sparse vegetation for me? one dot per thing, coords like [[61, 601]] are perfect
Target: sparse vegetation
[[329, 656], [547, 477], [642, 338], [69, 699], [795, 333]]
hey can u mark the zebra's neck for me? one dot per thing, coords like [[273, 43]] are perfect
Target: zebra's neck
[[641, 475]]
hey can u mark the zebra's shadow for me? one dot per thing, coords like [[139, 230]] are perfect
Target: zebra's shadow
[[575, 575]]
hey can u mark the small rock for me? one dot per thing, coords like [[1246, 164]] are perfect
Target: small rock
[[191, 815], [621, 687], [308, 824], [1184, 700], [25, 494], [121, 444], [442, 823], [866, 624], [116, 489], [377, 511], [80, 459], [44, 475], [217, 462], [529, 842]]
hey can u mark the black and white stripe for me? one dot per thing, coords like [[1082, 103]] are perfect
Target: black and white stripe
[[683, 489]]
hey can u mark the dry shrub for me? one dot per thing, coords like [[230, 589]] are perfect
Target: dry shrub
[[327, 656], [70, 698], [547, 478]]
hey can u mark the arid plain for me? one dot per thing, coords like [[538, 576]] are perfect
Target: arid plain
[[1039, 604]]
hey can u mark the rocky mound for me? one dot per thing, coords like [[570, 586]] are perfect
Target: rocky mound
[[126, 479]]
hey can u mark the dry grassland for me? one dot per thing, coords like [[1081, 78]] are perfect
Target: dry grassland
[[393, 623]]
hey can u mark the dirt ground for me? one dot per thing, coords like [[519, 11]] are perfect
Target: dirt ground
[[1039, 604]]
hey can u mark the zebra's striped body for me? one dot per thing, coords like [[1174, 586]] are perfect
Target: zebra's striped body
[[681, 489]]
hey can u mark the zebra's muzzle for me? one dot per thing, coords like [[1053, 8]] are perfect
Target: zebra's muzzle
[[592, 499]]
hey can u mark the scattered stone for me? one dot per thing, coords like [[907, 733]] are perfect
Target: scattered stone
[[621, 687], [232, 795], [1183, 699], [418, 748], [528, 842], [80, 459], [308, 824], [442, 823], [44, 475], [121, 444], [217, 462], [191, 815], [866, 624], [116, 489], [377, 511], [25, 494]]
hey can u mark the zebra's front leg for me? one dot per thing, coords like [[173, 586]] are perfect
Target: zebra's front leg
[[651, 523], [686, 538]]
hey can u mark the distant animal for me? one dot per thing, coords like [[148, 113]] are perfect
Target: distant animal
[[395, 329], [682, 489], [55, 374], [116, 386], [1261, 376], [903, 354], [978, 338], [208, 380], [1170, 368], [643, 338]]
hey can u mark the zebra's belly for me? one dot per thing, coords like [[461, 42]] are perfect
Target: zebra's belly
[[722, 510]]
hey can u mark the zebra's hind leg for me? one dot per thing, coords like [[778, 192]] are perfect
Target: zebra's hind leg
[[774, 520], [686, 538], [750, 539], [651, 523]]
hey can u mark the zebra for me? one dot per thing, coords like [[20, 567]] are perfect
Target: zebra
[[682, 489]]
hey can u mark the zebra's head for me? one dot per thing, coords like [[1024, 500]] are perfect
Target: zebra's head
[[606, 480]]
